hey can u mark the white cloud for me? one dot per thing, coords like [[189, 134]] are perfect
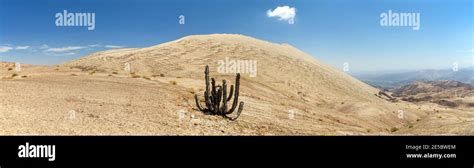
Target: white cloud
[[68, 53], [5, 49], [62, 54], [57, 51], [113, 46], [94, 45], [44, 46], [283, 13], [22, 47], [64, 49]]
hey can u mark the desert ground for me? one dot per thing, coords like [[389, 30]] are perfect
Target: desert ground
[[292, 94]]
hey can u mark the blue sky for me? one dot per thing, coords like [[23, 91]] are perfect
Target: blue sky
[[333, 31]]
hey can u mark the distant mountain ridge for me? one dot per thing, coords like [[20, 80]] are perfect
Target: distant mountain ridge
[[443, 92], [418, 87], [393, 80]]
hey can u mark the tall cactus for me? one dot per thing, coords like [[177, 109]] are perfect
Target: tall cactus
[[216, 97]]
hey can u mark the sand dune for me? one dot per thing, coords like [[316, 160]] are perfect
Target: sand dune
[[292, 93]]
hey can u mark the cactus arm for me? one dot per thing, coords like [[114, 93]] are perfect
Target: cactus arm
[[213, 91], [236, 97], [196, 97], [224, 98], [239, 111], [218, 100], [230, 92], [208, 99], [211, 105], [206, 77], [206, 93]]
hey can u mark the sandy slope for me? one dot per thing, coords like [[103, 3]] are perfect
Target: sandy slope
[[106, 99]]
